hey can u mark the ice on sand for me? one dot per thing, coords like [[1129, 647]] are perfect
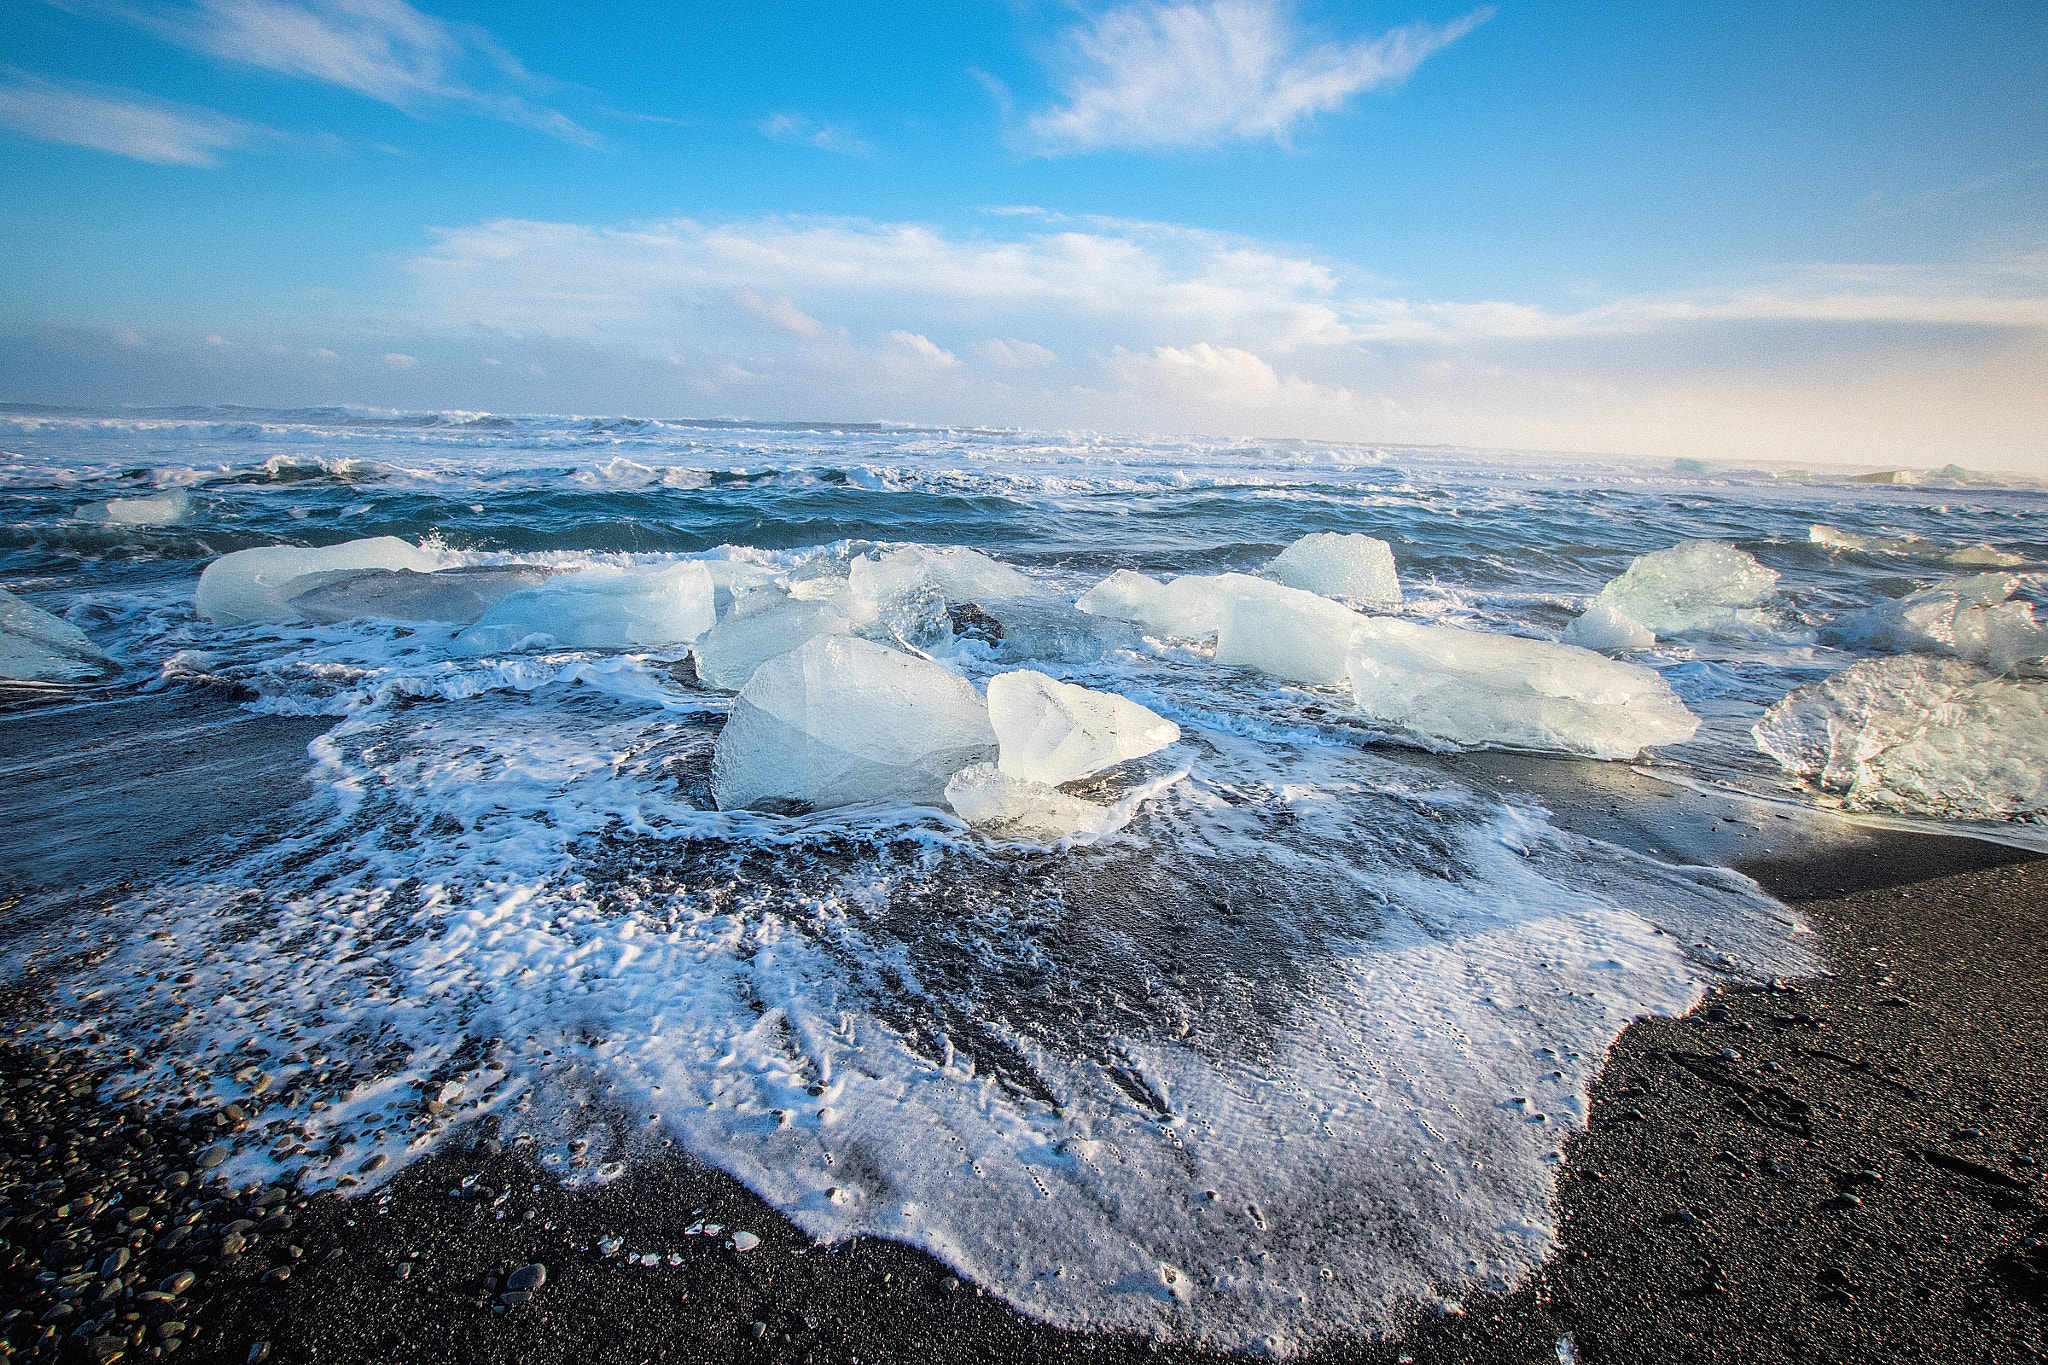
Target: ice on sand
[[990, 799], [1191, 607], [1052, 732], [895, 600], [257, 585], [38, 647], [840, 720], [762, 624], [458, 596], [1283, 631], [1041, 628], [1969, 616], [606, 606], [1354, 566], [1602, 627], [1474, 688], [162, 509], [1918, 735], [1695, 586]]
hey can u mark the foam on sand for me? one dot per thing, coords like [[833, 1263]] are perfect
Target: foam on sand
[[841, 720], [258, 585], [1474, 688], [1695, 587], [605, 606], [1052, 732], [38, 647], [1353, 566]]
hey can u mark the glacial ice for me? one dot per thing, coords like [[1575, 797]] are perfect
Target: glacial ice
[[990, 799], [1918, 735], [1284, 631], [1354, 566], [38, 647], [1475, 688], [162, 509], [1602, 627], [895, 600], [1967, 616], [965, 575], [762, 624], [1914, 547], [1033, 628], [840, 720], [1696, 586], [1052, 732], [257, 585], [458, 596], [605, 606], [1189, 608]]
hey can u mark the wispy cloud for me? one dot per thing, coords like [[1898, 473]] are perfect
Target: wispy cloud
[[124, 122], [795, 128], [383, 49], [1205, 72]]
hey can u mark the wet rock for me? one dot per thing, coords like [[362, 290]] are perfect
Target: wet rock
[[527, 1277], [277, 1274]]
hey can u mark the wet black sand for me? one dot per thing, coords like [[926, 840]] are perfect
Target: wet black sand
[[1857, 1181]]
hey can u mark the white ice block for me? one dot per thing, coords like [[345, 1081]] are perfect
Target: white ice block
[[38, 647], [1830, 731], [842, 720], [1054, 732], [1968, 616], [1283, 631], [1474, 688], [458, 596], [161, 509], [605, 606], [1190, 607], [1011, 807], [762, 624], [1354, 566], [1603, 627], [1695, 586], [1913, 547], [257, 585]]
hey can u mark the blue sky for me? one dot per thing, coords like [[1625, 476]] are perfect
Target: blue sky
[[1811, 232]]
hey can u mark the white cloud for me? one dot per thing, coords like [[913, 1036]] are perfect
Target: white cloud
[[921, 349], [824, 136], [1204, 72], [1218, 377], [124, 122], [779, 313], [395, 361], [1014, 354], [384, 49]]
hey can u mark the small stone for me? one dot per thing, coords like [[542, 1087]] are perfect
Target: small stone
[[950, 1283], [258, 1352], [1729, 1054], [277, 1222], [174, 1285], [1849, 1201], [405, 1270], [234, 1113], [233, 1244], [759, 1330], [744, 1241], [1971, 1133], [527, 1277], [373, 1163], [516, 1297], [211, 1158], [114, 1264], [278, 1274]]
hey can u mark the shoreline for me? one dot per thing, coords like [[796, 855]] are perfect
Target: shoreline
[[1679, 1238]]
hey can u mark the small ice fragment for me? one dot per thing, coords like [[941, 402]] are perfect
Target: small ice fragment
[[601, 607], [1474, 688], [1036, 628], [1604, 627], [988, 798], [1696, 585], [1354, 566], [1913, 547], [458, 595], [163, 509], [744, 1241], [257, 585], [841, 720], [38, 647], [1054, 732], [762, 624]]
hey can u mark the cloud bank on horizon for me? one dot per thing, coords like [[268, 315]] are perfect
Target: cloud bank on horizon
[[1224, 183]]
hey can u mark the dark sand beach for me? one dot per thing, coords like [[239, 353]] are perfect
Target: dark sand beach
[[1836, 1169]]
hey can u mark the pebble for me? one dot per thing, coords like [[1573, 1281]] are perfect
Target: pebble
[[527, 1277], [405, 1270], [278, 1274], [258, 1352], [212, 1157], [759, 1330]]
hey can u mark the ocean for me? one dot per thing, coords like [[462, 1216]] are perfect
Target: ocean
[[1285, 1045]]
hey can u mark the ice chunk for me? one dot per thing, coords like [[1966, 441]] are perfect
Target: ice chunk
[[988, 798], [605, 606], [1967, 616], [1283, 631], [762, 624], [894, 600], [1914, 547], [1054, 732], [1353, 566], [1190, 607], [38, 647], [1125, 595], [840, 720], [731, 578], [965, 575], [1042, 629], [1695, 586], [257, 585], [455, 595], [1602, 627], [1474, 688], [1918, 735], [164, 509]]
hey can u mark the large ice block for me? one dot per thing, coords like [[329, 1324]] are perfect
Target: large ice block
[[1913, 547], [1354, 566], [1011, 807], [1695, 586], [1054, 732], [895, 600], [38, 647], [1283, 631], [257, 585], [605, 606], [1968, 616], [1042, 628], [457, 596], [762, 624], [1918, 735], [1190, 607], [840, 720], [1475, 688]]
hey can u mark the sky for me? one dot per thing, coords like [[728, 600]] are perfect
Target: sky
[[1813, 233]]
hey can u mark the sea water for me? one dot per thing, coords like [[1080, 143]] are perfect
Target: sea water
[[1283, 1044]]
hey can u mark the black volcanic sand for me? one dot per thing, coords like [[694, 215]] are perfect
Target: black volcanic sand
[[1843, 1169]]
